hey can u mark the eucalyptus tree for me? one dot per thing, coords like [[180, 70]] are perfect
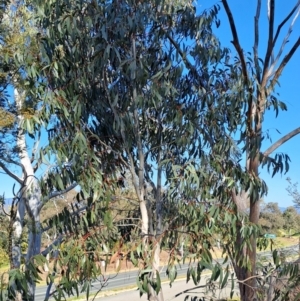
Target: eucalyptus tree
[[21, 120], [141, 86], [136, 86], [259, 80]]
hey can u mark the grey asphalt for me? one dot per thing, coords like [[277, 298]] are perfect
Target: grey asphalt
[[173, 293]]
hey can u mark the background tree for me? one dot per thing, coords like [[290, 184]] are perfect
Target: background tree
[[293, 192], [271, 217], [291, 220]]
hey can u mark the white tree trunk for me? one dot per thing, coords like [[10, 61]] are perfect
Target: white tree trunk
[[155, 268], [30, 197], [145, 218], [17, 233]]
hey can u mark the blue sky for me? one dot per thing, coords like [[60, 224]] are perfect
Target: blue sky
[[243, 12]]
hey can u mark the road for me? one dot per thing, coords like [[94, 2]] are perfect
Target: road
[[118, 281], [128, 278]]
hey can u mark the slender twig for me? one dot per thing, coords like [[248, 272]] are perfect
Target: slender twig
[[251, 277], [52, 245], [189, 290], [103, 284], [121, 197], [183, 56]]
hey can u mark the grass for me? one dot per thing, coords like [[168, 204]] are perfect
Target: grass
[[283, 242], [4, 269]]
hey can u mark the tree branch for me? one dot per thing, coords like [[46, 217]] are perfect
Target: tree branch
[[235, 41], [187, 63], [281, 141], [56, 193], [54, 244], [131, 165], [256, 39], [77, 212], [140, 152], [11, 174], [284, 21], [35, 147], [271, 10], [285, 41], [282, 65]]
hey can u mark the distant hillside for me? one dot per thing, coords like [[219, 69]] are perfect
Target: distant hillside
[[282, 209], [8, 201], [53, 207]]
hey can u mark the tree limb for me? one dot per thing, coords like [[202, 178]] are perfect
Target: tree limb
[[256, 39], [285, 41], [188, 64], [77, 212], [140, 151], [271, 10], [11, 174], [57, 193], [281, 141], [284, 21], [235, 41], [54, 244], [282, 65], [35, 147], [131, 165]]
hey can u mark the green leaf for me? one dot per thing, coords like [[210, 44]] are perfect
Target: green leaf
[[158, 282], [224, 282], [188, 275], [172, 273], [140, 287]]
